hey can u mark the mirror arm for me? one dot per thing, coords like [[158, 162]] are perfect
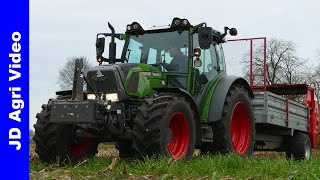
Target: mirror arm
[[196, 27], [116, 35], [225, 32]]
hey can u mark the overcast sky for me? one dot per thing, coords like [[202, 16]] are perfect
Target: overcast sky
[[60, 29]]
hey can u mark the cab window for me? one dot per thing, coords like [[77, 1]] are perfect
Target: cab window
[[220, 57], [209, 59]]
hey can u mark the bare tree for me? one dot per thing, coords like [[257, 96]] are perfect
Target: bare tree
[[65, 79], [283, 66], [31, 134], [313, 77]]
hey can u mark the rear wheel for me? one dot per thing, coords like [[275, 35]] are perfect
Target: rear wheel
[[236, 130], [55, 142], [299, 147], [164, 125]]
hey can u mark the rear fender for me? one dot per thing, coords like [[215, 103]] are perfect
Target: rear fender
[[220, 93], [190, 99]]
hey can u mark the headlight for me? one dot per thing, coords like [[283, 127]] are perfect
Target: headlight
[[91, 96], [108, 97], [112, 97]]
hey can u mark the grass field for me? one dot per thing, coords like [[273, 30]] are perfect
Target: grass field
[[106, 165]]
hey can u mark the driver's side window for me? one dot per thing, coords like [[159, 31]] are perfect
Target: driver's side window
[[209, 62]]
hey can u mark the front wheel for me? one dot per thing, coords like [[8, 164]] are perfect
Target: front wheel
[[164, 125], [55, 142]]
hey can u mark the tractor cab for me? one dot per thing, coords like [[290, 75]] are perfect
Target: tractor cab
[[187, 56]]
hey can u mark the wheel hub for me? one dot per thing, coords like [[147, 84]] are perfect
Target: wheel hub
[[307, 151], [79, 149], [179, 142], [240, 128]]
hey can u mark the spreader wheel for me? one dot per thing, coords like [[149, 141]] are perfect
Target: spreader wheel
[[299, 147]]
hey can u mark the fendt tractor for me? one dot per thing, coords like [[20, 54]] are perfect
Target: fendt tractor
[[169, 94]]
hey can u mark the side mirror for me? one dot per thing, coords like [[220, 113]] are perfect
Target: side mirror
[[233, 31], [100, 46], [197, 63], [205, 37]]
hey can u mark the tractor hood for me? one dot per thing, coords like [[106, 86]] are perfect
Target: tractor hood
[[126, 79]]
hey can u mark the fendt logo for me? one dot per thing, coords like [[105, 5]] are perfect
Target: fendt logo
[[99, 74]]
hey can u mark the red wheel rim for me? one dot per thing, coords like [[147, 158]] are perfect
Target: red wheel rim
[[180, 129], [80, 148], [240, 128]]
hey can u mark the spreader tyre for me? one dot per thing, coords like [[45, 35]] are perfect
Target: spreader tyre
[[164, 125], [299, 146]]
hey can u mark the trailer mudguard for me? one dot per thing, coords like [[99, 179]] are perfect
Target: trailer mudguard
[[220, 94], [193, 106]]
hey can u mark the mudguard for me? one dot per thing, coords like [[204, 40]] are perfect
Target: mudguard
[[220, 94], [193, 106]]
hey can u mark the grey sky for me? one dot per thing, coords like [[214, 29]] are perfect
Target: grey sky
[[60, 29]]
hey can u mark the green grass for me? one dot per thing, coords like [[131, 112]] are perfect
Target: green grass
[[207, 167]]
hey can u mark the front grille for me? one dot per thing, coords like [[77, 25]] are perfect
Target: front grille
[[104, 79]]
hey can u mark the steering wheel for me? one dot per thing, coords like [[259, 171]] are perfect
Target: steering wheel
[[158, 64]]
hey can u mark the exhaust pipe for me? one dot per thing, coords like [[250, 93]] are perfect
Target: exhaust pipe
[[112, 46]]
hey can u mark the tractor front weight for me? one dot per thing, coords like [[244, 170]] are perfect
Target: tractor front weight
[[96, 112]]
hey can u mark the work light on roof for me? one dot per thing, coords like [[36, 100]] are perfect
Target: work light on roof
[[177, 22], [128, 27], [134, 27], [185, 22]]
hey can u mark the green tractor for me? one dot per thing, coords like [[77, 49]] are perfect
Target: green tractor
[[167, 95]]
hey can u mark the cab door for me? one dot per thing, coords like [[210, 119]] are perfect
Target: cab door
[[210, 66]]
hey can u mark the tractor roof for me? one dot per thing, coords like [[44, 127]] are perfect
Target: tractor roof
[[176, 23]]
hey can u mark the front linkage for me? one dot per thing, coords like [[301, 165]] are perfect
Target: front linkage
[[70, 127], [81, 110]]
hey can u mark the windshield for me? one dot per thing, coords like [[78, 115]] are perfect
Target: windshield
[[167, 51]]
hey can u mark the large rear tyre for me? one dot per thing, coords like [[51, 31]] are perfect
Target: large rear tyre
[[164, 125], [235, 132], [299, 147], [55, 142]]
